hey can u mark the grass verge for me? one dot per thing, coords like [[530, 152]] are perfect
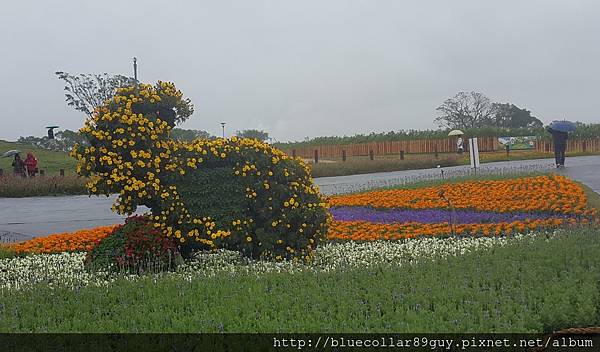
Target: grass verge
[[6, 253], [18, 187], [488, 157], [363, 165], [527, 287]]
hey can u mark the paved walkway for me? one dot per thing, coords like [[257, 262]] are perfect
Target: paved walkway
[[21, 218], [585, 169], [40, 216]]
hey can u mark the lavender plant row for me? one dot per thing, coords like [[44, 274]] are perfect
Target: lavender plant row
[[430, 216]]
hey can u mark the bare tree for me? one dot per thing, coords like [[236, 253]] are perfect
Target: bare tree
[[466, 110], [85, 92]]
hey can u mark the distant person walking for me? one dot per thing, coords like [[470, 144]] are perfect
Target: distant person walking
[[31, 165], [559, 138], [18, 166], [460, 145]]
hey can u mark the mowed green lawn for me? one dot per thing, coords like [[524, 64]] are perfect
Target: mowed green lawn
[[50, 161]]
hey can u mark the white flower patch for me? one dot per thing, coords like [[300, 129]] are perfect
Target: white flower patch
[[333, 256], [51, 269], [67, 269], [232, 262]]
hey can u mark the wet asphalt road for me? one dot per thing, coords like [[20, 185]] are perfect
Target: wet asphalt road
[[21, 218], [585, 169]]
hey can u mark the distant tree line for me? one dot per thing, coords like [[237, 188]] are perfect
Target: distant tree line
[[63, 141], [190, 135], [583, 131], [254, 134]]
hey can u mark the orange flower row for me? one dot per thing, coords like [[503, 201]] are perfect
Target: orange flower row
[[553, 193], [83, 240], [368, 231]]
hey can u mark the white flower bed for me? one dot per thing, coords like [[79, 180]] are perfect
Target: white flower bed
[[365, 254], [67, 270]]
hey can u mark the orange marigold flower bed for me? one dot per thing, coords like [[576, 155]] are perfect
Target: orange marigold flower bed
[[82, 240], [534, 203], [368, 231], [552, 193]]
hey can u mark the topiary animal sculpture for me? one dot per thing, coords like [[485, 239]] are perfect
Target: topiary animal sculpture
[[233, 193]]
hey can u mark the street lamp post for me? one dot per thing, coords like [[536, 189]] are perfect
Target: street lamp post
[[135, 70], [223, 125]]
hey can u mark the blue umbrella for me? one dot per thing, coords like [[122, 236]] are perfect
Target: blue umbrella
[[563, 126]]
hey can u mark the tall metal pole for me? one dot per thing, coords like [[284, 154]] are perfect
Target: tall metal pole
[[223, 125], [135, 70]]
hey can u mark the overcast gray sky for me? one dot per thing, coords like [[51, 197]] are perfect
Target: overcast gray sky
[[305, 68]]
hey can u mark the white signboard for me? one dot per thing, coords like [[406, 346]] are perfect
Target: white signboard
[[474, 152]]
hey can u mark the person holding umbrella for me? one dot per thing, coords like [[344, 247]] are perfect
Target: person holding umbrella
[[560, 133], [18, 166], [459, 142]]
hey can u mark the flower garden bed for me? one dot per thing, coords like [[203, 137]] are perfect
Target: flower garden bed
[[475, 208], [532, 283], [475, 227], [472, 208]]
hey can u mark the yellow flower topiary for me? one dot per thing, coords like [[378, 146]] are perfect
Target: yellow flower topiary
[[226, 193]]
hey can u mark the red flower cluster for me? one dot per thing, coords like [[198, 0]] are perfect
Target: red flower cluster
[[136, 242], [145, 240]]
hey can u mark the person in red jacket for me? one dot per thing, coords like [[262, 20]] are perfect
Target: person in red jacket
[[31, 165]]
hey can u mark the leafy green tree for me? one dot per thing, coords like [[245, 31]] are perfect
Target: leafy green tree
[[85, 92], [254, 134], [510, 116], [189, 135]]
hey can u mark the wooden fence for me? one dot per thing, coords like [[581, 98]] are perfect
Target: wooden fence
[[431, 146], [448, 145], [582, 145]]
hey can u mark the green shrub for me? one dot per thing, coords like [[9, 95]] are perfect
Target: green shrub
[[249, 197], [135, 247]]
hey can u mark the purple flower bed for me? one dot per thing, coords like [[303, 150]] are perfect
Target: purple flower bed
[[430, 216]]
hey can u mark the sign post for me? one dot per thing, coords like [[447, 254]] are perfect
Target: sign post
[[474, 153]]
